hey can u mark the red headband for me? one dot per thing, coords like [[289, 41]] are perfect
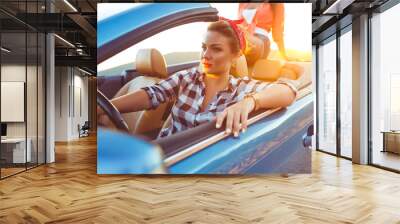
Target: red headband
[[238, 31]]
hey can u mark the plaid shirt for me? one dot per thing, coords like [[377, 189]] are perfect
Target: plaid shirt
[[188, 89]]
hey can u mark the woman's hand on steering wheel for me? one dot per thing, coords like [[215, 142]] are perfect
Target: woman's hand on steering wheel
[[103, 119], [108, 115]]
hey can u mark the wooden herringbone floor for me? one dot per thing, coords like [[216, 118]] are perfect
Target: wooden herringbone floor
[[70, 191]]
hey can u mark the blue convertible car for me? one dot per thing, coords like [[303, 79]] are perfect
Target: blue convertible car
[[277, 141]]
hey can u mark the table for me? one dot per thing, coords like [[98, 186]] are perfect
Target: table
[[391, 141], [17, 151]]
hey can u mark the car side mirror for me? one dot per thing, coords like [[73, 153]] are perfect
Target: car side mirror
[[120, 153]]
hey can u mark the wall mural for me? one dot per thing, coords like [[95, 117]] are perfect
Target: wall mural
[[204, 88]]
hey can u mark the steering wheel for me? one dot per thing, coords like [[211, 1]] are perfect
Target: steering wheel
[[112, 112]]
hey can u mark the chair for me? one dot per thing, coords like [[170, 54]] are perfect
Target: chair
[[84, 130]]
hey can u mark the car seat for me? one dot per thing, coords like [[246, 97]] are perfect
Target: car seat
[[151, 64]]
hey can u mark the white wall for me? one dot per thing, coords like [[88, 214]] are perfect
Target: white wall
[[61, 103], [70, 83], [79, 98], [14, 73], [33, 126]]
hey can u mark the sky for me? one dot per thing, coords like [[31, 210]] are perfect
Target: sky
[[297, 31]]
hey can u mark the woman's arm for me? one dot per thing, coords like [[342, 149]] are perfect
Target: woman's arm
[[274, 96], [149, 97], [135, 101]]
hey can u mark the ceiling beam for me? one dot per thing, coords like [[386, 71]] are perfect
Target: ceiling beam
[[320, 22], [84, 24], [78, 61], [337, 7]]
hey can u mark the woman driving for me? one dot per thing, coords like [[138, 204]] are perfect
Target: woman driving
[[202, 96]]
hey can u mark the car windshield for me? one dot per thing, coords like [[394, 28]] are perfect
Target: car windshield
[[175, 48]]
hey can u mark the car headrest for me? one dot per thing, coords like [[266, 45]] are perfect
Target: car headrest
[[239, 67], [291, 71], [151, 62], [266, 70]]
